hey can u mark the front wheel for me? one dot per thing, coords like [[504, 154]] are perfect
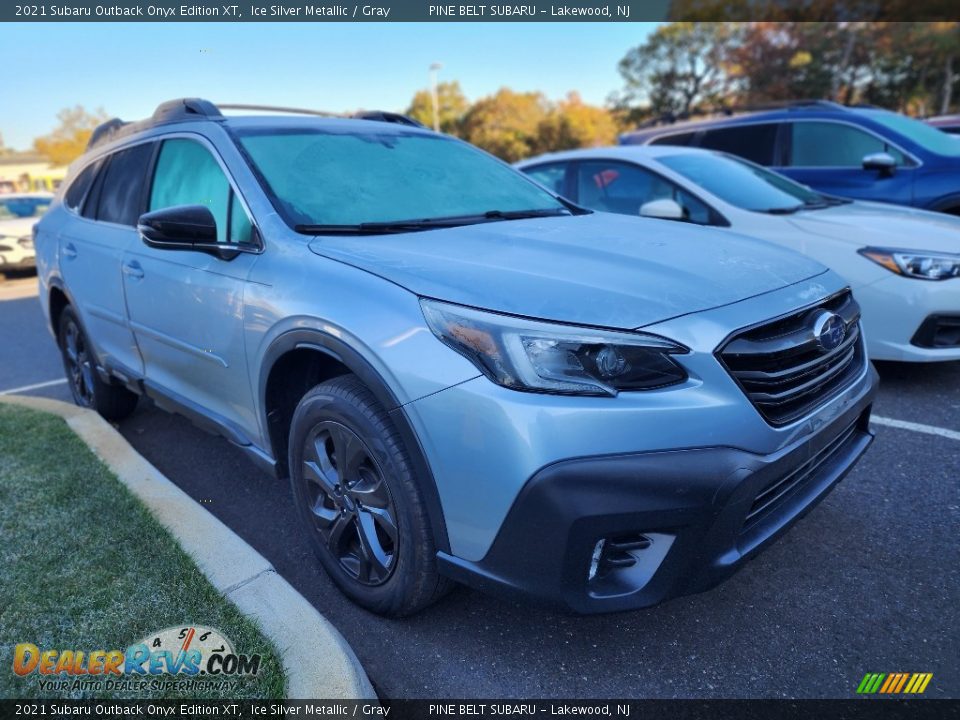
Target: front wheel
[[111, 401], [359, 502]]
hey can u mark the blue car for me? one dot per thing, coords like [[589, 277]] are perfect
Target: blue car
[[855, 152]]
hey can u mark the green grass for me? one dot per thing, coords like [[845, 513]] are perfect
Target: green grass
[[83, 565]]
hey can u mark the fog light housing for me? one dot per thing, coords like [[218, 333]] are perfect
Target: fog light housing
[[624, 563]]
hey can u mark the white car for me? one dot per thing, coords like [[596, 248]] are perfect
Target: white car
[[903, 264], [19, 212]]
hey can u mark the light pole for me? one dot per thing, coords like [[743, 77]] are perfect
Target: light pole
[[433, 95]]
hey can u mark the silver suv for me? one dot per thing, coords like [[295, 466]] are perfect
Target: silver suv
[[464, 376]]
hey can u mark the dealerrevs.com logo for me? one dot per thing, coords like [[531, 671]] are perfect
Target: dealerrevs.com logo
[[182, 654]]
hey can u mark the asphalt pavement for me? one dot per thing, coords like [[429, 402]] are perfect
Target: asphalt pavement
[[869, 581]]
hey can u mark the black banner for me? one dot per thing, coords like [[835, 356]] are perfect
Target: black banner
[[854, 709], [441, 11]]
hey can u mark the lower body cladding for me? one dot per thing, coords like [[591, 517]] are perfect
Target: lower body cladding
[[619, 532]]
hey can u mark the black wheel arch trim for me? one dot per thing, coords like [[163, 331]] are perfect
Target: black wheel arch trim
[[314, 339], [945, 203]]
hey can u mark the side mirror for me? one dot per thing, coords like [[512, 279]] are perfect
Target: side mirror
[[184, 227], [882, 162], [664, 208]]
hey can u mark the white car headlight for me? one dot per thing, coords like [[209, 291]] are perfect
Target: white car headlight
[[915, 263], [537, 356]]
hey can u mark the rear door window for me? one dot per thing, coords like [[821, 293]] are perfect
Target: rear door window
[[751, 142], [121, 197]]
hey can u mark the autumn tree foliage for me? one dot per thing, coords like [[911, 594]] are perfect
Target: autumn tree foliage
[[69, 139]]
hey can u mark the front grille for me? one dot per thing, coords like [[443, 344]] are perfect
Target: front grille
[[785, 370], [776, 492]]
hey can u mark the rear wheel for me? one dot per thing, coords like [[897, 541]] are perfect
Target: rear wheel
[[359, 502], [111, 401]]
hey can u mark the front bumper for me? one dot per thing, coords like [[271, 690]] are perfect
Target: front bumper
[[896, 313], [705, 511], [24, 262]]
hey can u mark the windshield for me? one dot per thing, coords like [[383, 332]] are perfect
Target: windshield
[[743, 184], [23, 207], [324, 179], [926, 136]]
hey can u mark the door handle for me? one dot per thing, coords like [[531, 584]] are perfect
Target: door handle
[[69, 251], [133, 269]]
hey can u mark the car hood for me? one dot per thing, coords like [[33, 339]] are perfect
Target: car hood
[[598, 269], [18, 227], [861, 224]]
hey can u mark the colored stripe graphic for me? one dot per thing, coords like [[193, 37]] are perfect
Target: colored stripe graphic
[[894, 683], [903, 680], [870, 683]]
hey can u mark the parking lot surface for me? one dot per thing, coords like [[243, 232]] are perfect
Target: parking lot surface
[[869, 581]]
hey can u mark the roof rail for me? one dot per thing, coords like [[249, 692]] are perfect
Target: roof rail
[[388, 117], [171, 111], [186, 109], [275, 108], [730, 110], [378, 115]]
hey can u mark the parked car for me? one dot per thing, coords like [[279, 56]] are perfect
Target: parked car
[[463, 375], [903, 264], [861, 153], [19, 212], [946, 123]]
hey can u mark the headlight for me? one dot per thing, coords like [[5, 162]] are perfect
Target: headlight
[[540, 356], [916, 264]]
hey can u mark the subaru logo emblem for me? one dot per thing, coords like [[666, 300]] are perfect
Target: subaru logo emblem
[[829, 330]]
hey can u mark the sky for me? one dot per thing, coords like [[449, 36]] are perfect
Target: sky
[[129, 68]]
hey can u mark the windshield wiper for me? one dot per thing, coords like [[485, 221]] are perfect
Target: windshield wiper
[[378, 228], [783, 210], [416, 225], [523, 214]]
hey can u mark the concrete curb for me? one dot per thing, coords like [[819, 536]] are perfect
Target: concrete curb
[[317, 660]]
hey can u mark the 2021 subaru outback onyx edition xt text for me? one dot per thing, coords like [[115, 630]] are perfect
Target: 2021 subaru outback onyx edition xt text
[[463, 376]]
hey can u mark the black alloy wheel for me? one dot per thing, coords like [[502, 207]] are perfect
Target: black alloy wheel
[[78, 363], [350, 503]]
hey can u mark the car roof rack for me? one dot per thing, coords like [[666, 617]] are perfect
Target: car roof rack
[[186, 109]]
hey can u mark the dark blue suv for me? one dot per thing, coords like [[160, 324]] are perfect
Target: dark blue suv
[[856, 152]]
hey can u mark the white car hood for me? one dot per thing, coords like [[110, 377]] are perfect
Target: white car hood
[[880, 225], [17, 228]]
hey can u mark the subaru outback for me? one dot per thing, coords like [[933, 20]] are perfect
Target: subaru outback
[[463, 376]]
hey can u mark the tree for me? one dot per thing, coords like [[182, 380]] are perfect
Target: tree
[[506, 123], [69, 139], [451, 103], [571, 123], [683, 66]]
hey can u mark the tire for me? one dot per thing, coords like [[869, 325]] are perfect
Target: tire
[[113, 402], [359, 502]]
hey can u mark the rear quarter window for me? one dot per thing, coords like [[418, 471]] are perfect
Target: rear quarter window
[[676, 139], [81, 184], [755, 143], [121, 196]]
